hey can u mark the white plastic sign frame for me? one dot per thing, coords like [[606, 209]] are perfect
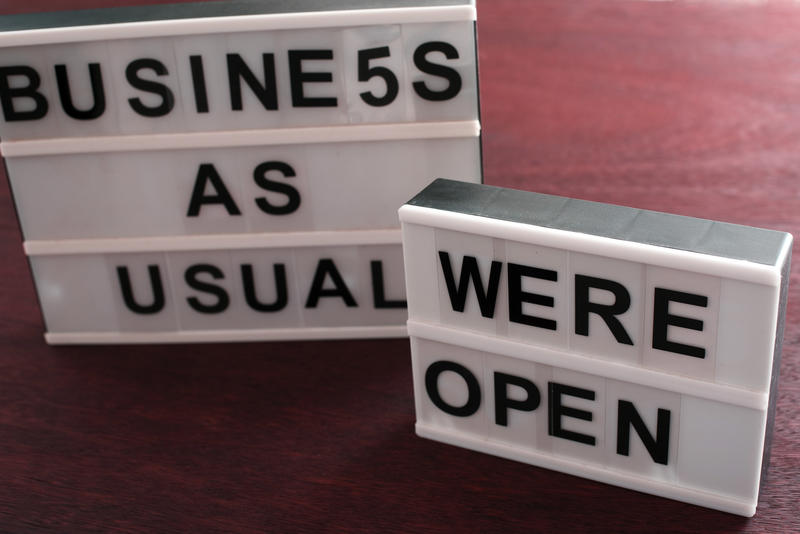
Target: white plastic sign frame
[[681, 318]]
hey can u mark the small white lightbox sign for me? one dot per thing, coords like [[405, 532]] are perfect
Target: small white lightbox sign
[[223, 171], [631, 347]]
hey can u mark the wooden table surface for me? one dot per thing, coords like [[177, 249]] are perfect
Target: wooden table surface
[[691, 108]]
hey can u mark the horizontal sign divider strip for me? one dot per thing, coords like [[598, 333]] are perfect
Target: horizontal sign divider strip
[[598, 245], [586, 470], [242, 23], [211, 336], [220, 139], [213, 242], [588, 364]]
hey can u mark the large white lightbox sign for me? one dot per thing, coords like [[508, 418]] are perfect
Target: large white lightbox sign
[[291, 125]]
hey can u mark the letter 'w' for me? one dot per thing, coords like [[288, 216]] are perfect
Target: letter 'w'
[[487, 297]]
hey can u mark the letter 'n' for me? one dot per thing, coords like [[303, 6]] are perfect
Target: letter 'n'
[[628, 417]]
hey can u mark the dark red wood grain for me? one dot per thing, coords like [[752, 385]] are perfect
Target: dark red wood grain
[[691, 108]]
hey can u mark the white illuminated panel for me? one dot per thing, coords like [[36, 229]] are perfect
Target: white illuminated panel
[[241, 65], [683, 312], [522, 270], [671, 315], [328, 179], [260, 287], [677, 444]]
